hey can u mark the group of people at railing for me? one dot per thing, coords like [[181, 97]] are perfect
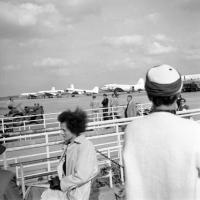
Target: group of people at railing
[[77, 165], [161, 151], [110, 108]]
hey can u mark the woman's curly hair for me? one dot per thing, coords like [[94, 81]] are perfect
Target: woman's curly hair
[[76, 121]]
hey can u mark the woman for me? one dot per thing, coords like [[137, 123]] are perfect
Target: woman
[[78, 163]]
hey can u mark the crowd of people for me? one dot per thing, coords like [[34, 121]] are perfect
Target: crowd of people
[[161, 151], [110, 107]]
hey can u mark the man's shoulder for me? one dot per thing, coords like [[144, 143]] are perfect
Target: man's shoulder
[[170, 119]]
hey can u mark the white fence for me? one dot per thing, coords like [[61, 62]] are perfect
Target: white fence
[[31, 157], [31, 122]]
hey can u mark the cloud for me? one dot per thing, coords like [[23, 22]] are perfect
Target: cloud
[[126, 40], [10, 67], [157, 48], [189, 5], [153, 17], [156, 45], [53, 66], [193, 54], [162, 37], [120, 64], [51, 63], [26, 14], [28, 20]]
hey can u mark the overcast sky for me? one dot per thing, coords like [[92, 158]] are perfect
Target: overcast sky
[[45, 43]]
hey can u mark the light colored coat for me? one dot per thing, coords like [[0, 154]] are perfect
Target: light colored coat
[[131, 110], [81, 165], [161, 155]]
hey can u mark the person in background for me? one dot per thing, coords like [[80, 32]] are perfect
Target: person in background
[[178, 101], [183, 106], [8, 187], [105, 106], [94, 105], [114, 103], [11, 102], [78, 162], [162, 150], [131, 110]]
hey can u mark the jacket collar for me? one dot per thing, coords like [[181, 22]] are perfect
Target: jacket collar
[[77, 140]]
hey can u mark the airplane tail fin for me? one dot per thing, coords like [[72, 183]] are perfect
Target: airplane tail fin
[[140, 84], [53, 88], [96, 89], [72, 86]]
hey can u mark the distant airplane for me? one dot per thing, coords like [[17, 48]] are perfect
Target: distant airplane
[[72, 90], [191, 77], [125, 88], [31, 95], [51, 93]]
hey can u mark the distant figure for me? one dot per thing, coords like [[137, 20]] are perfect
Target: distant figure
[[131, 110], [8, 187], [114, 103], [105, 106], [183, 106], [11, 103], [178, 101], [162, 150], [94, 105]]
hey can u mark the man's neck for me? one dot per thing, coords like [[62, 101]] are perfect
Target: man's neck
[[166, 108]]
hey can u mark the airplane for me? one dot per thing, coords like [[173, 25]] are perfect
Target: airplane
[[51, 93], [73, 90], [124, 88], [190, 77], [31, 95]]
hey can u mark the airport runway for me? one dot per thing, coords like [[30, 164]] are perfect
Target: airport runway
[[55, 105]]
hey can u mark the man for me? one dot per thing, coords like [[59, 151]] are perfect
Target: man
[[94, 105], [131, 110], [105, 106], [8, 187], [114, 103], [183, 106], [162, 150]]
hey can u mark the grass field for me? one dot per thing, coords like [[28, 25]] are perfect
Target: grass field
[[60, 104]]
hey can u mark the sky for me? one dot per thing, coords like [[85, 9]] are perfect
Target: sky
[[45, 43]]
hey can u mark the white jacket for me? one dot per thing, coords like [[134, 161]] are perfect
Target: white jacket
[[161, 155]]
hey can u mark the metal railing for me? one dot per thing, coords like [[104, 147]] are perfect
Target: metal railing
[[43, 146], [8, 125]]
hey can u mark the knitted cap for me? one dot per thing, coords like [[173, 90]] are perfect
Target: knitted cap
[[163, 80]]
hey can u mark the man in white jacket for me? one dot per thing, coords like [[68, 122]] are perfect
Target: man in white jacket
[[162, 150]]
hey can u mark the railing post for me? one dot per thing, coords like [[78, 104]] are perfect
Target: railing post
[[23, 181], [110, 172], [24, 122], [5, 160], [48, 153], [120, 162], [44, 121], [112, 112], [17, 172], [97, 116], [2, 121], [120, 153]]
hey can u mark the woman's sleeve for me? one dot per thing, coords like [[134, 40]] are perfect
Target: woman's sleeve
[[86, 167]]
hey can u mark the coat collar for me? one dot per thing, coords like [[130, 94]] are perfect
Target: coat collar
[[79, 139]]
